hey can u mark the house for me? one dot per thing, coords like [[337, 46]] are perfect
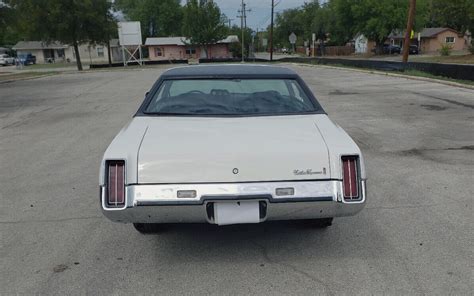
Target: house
[[58, 52], [179, 48], [431, 39]]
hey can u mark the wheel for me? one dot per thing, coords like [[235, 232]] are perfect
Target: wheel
[[148, 228]]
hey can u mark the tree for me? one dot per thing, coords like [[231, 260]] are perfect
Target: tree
[[203, 23], [157, 18], [287, 22], [454, 14], [68, 21], [8, 33], [236, 48], [376, 19]]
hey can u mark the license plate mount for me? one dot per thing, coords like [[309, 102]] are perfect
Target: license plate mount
[[236, 212]]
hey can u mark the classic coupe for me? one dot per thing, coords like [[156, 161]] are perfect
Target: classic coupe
[[230, 144]]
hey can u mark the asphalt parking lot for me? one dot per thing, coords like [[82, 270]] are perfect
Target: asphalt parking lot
[[415, 235]]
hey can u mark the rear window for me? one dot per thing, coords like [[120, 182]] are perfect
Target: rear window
[[230, 97]]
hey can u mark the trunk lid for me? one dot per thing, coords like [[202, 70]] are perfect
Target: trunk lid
[[241, 149]]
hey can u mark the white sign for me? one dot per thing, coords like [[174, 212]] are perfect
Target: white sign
[[264, 42], [314, 37], [292, 38], [130, 33]]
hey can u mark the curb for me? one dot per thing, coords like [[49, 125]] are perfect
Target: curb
[[440, 81], [28, 78]]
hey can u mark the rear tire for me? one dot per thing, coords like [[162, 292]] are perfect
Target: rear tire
[[321, 223], [148, 228]]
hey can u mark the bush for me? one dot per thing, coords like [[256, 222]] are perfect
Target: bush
[[445, 49]]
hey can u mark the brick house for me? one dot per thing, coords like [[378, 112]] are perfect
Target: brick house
[[178, 48], [431, 39]]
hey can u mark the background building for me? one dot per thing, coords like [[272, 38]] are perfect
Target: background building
[[178, 48]]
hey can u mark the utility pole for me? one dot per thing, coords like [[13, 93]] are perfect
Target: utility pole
[[243, 25], [271, 33], [411, 18], [229, 20]]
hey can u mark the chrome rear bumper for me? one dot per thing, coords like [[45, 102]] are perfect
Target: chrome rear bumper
[[160, 204]]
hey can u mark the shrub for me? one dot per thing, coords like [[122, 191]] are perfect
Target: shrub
[[445, 49]]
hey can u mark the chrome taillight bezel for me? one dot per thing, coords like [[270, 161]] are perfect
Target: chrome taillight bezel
[[359, 196], [121, 180]]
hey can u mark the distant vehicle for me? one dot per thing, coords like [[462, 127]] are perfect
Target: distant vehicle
[[413, 49], [231, 144], [6, 60], [285, 50], [27, 59], [391, 49]]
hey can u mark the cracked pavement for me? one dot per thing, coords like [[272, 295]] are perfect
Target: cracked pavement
[[415, 235]]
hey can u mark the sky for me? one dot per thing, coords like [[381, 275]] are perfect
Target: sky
[[259, 17]]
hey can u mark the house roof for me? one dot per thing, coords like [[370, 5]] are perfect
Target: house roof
[[24, 45], [166, 41], [183, 40], [425, 33]]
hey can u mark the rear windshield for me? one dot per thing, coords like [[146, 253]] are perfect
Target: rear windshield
[[230, 97]]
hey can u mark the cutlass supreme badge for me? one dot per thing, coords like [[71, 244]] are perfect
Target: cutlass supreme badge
[[309, 172]]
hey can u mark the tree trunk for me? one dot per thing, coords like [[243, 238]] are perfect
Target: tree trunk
[[108, 52], [78, 56]]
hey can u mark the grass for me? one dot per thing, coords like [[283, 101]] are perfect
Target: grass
[[25, 75], [415, 73], [418, 73], [452, 59], [52, 66]]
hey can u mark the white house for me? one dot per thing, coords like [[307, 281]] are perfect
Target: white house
[[58, 52]]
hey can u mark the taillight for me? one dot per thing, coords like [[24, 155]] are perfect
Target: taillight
[[116, 183], [350, 177]]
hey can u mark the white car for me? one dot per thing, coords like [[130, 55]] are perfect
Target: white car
[[6, 60], [230, 144]]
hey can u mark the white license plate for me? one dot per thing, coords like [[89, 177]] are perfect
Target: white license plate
[[236, 212]]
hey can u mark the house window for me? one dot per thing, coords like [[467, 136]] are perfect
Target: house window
[[100, 52], [449, 39], [190, 51], [158, 52]]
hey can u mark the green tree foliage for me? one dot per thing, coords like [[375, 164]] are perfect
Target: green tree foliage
[[203, 23], [287, 22], [8, 32], [157, 18], [236, 48], [376, 19], [68, 21], [454, 14]]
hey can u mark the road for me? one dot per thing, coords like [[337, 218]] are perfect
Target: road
[[415, 235]]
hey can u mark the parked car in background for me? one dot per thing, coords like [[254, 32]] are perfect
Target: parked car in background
[[231, 144], [413, 49], [6, 60], [391, 49], [27, 59]]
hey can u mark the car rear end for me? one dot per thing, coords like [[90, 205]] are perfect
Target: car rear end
[[203, 163]]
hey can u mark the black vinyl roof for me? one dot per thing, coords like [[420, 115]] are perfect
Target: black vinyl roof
[[229, 70]]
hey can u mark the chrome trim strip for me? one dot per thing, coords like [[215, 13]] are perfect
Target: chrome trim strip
[[168, 193]]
